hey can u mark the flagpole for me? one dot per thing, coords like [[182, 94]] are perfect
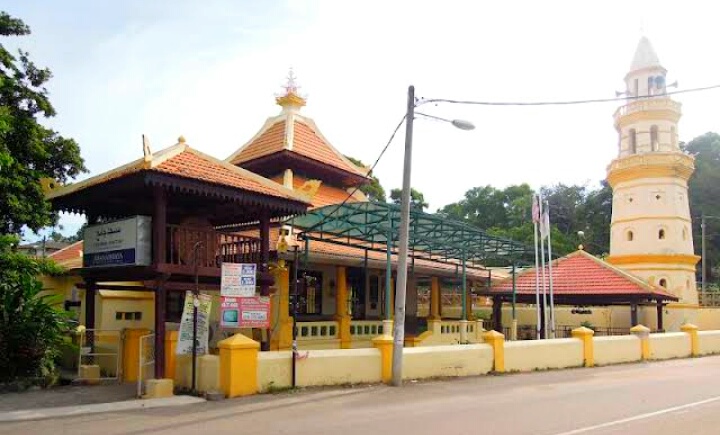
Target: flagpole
[[542, 271], [550, 272], [536, 215]]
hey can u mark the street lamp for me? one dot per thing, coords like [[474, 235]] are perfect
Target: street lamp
[[400, 293]]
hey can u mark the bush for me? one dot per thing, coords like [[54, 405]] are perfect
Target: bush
[[31, 328]]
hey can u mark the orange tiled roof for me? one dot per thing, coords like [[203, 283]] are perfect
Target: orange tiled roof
[[70, 257], [580, 274], [183, 161], [326, 194], [305, 140]]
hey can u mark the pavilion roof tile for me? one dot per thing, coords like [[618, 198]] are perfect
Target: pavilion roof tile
[[581, 274]]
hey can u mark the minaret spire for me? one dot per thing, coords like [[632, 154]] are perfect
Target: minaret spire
[[290, 100]]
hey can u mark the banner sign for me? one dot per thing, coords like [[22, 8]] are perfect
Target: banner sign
[[238, 279], [184, 343], [125, 242], [251, 312]]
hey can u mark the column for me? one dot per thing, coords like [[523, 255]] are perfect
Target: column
[[159, 225], [633, 314], [282, 335], [160, 298], [660, 326], [434, 298], [497, 314], [341, 307]]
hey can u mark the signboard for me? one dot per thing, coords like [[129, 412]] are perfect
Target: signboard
[[238, 279], [125, 242], [251, 312], [185, 333]]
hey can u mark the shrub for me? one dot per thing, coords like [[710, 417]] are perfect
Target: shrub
[[31, 327]]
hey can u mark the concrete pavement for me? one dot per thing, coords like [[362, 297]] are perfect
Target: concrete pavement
[[680, 396]]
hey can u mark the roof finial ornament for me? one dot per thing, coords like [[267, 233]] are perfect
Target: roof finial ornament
[[181, 139], [290, 100], [147, 153]]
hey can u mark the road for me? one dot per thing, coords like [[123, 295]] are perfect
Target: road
[[671, 397]]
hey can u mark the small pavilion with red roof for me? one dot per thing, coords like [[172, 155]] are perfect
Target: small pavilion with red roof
[[581, 279]]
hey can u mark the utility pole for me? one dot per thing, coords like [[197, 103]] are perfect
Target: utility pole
[[400, 292], [703, 264]]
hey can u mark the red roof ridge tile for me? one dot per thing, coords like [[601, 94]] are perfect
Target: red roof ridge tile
[[65, 250]]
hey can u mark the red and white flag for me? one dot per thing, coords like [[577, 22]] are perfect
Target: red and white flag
[[535, 209]]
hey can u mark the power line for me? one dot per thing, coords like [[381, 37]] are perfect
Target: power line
[[560, 103], [392, 136]]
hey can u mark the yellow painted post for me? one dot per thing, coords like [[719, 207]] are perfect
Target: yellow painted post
[[434, 298], [281, 320], [694, 343], [171, 338], [131, 353], [497, 341], [643, 333], [341, 307], [238, 366], [384, 343], [586, 336]]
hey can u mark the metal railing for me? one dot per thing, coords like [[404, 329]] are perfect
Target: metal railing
[[709, 298], [146, 362], [100, 348]]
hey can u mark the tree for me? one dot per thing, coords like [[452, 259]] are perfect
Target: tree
[[373, 190], [31, 328], [417, 199], [704, 189], [29, 152]]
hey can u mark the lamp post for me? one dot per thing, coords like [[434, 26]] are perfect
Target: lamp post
[[401, 290], [196, 293]]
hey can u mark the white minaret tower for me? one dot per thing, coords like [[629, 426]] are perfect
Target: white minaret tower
[[650, 234]]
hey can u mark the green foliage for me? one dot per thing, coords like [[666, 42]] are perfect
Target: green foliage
[[29, 151], [704, 193], [373, 190], [507, 213], [31, 328], [417, 199]]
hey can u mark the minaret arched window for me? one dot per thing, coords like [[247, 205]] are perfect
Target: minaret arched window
[[633, 141], [663, 283], [661, 234], [654, 145]]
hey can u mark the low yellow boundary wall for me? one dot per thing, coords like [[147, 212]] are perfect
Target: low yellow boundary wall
[[242, 370]]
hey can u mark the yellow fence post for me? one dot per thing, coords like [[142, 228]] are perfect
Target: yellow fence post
[[171, 338], [384, 343], [694, 344], [586, 336], [131, 353], [281, 320], [643, 333], [497, 341], [238, 366]]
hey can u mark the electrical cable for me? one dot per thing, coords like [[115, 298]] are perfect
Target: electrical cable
[[392, 136], [561, 103]]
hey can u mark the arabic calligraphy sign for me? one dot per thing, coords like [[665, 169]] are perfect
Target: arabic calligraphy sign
[[120, 243]]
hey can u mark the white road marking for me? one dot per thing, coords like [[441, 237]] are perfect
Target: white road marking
[[640, 417]]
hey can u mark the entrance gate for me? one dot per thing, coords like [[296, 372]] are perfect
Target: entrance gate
[[100, 356], [146, 362]]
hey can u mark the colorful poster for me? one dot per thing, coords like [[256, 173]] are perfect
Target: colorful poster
[[238, 279], [251, 312], [184, 343]]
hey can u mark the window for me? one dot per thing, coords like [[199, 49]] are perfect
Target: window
[[633, 141], [663, 283], [630, 236], [128, 315], [661, 234], [654, 145]]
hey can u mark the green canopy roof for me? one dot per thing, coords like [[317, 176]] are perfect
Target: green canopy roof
[[369, 225]]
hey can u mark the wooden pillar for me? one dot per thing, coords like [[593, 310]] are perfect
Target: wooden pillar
[[497, 314], [90, 292], [660, 313], [160, 304], [633, 314], [434, 298], [543, 332], [264, 253], [159, 225]]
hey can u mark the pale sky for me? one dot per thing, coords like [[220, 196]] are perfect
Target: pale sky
[[210, 70]]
